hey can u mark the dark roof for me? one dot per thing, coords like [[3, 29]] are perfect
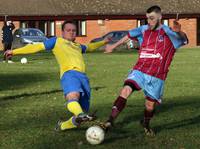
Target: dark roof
[[94, 7]]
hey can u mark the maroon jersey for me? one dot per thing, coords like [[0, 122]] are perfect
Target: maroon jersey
[[157, 48]]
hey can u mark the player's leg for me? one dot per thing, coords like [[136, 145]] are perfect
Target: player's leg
[[153, 90], [71, 87], [118, 105], [148, 115], [9, 48], [73, 106], [120, 102], [74, 90], [79, 107], [64, 125], [72, 103], [5, 45], [85, 100], [130, 85]]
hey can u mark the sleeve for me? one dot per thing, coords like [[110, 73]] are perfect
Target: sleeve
[[175, 38], [136, 32], [12, 26], [93, 46], [84, 48], [30, 48], [50, 43]]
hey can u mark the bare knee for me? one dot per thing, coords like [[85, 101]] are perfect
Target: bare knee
[[72, 95], [126, 92], [149, 105]]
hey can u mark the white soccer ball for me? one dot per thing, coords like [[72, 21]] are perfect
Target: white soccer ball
[[95, 135], [24, 60]]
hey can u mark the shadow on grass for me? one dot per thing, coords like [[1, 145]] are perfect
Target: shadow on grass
[[13, 97], [28, 95], [169, 106], [179, 124], [173, 106], [48, 118], [14, 81]]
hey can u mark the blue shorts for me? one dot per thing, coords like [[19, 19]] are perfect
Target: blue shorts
[[74, 81], [153, 87]]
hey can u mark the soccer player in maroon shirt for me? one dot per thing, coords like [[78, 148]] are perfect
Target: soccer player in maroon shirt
[[158, 43]]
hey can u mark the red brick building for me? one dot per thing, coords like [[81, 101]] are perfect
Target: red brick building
[[97, 17]]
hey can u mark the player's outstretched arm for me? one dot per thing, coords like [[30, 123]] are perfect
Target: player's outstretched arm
[[109, 48], [93, 46], [177, 28], [28, 49]]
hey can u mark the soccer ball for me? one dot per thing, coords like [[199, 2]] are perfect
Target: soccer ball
[[24, 60], [95, 135]]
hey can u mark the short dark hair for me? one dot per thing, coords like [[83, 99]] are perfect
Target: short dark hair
[[154, 8], [67, 22]]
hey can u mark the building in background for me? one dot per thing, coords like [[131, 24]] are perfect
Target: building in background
[[96, 18]]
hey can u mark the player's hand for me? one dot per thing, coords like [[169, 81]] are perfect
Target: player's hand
[[130, 44], [109, 48], [108, 40], [8, 54], [176, 26]]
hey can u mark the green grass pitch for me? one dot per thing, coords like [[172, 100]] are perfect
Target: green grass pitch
[[31, 102]]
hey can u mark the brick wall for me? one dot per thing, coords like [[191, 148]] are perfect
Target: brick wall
[[189, 26], [58, 28], [96, 28], [1, 25]]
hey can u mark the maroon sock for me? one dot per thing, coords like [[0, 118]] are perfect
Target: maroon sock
[[147, 116], [118, 106]]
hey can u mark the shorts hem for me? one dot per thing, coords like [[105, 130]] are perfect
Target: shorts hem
[[137, 87], [153, 100]]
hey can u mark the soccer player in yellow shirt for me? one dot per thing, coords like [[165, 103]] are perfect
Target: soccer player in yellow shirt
[[74, 82]]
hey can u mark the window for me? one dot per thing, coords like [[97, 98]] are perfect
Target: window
[[47, 27], [52, 28], [81, 28], [31, 32], [165, 22], [141, 22], [24, 24], [144, 22]]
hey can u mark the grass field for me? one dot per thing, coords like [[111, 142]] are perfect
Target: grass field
[[31, 102]]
